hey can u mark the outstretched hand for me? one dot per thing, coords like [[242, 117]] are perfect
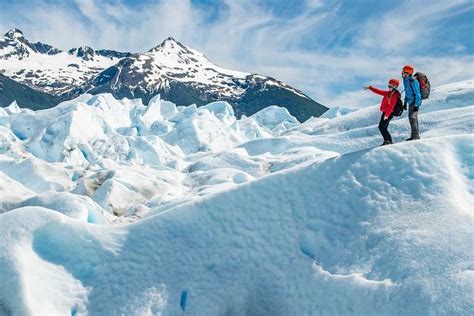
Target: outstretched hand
[[366, 87]]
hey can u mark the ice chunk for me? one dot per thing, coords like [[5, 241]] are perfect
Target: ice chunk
[[273, 116], [3, 112], [13, 108], [220, 109], [12, 193], [153, 111]]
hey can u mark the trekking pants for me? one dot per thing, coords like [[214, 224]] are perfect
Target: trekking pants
[[413, 118], [383, 127]]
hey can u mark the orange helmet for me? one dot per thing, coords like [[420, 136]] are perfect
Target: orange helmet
[[394, 82], [408, 69]]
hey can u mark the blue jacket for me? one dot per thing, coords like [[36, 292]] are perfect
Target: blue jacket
[[412, 95]]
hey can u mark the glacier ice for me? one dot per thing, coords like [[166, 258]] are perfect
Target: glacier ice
[[112, 207]]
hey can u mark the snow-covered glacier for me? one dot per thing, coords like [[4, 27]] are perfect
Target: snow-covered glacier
[[110, 207]]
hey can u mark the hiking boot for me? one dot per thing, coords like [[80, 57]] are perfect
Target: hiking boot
[[412, 138]]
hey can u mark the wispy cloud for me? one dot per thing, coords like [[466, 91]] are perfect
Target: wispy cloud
[[328, 49], [406, 24]]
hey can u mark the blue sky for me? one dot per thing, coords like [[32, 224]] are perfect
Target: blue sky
[[328, 49]]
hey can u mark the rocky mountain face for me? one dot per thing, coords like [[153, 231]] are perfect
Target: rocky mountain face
[[176, 72], [10, 91]]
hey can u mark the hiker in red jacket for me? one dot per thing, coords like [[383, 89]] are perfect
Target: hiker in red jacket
[[390, 98]]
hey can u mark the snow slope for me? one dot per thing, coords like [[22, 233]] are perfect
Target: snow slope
[[217, 216], [46, 68]]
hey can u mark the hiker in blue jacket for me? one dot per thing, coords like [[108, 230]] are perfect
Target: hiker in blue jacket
[[412, 99]]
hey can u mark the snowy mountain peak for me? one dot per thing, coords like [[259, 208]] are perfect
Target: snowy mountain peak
[[85, 52], [170, 45], [14, 34], [14, 44], [82, 50]]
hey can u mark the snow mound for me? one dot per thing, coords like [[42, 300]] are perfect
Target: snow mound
[[399, 227], [79, 207], [36, 174], [112, 207]]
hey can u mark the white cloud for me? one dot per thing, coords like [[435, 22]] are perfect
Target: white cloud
[[404, 24], [62, 28], [314, 4]]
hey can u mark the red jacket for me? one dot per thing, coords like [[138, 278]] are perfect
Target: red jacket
[[389, 99]]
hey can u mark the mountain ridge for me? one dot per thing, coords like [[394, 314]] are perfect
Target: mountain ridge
[[178, 73]]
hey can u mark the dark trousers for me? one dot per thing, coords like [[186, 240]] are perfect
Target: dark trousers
[[413, 118], [383, 127]]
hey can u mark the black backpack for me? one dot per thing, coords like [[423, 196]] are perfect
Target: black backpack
[[398, 109]]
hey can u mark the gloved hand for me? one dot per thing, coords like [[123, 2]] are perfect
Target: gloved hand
[[415, 109], [405, 106]]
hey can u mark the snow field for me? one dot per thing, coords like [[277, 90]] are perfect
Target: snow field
[[259, 216]]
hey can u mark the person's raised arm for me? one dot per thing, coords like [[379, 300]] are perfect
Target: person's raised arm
[[377, 91]]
